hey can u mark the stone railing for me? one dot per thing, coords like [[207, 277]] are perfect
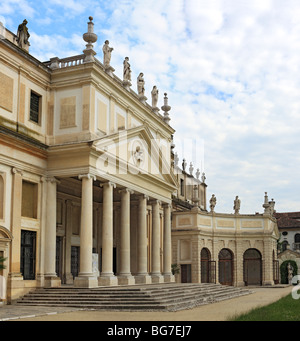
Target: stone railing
[[56, 63]]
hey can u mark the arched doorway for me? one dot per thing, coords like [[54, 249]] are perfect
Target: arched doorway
[[226, 267], [205, 265], [252, 267]]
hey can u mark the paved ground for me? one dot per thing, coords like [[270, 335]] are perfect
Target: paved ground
[[219, 311]]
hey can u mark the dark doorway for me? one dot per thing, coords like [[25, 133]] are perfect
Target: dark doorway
[[226, 267], [252, 267], [186, 273], [75, 252], [28, 254], [205, 266]]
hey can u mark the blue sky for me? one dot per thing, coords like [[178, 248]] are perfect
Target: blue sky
[[230, 68]]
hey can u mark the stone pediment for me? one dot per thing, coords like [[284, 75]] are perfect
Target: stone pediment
[[136, 152]]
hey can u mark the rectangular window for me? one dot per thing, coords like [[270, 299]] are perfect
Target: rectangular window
[[28, 254], [182, 187], [35, 103], [29, 199]]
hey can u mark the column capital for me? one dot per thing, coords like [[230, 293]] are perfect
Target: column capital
[[155, 201], [87, 176], [126, 190], [16, 171], [143, 196], [51, 179], [166, 205], [108, 183]]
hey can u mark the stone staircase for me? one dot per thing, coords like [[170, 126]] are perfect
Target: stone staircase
[[159, 297]]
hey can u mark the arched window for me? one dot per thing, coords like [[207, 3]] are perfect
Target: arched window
[[284, 245], [297, 238], [1, 197]]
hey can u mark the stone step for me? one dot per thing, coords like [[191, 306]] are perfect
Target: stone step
[[169, 297]]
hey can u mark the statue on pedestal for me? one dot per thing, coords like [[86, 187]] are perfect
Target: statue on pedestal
[[154, 94], [213, 203], [141, 85], [23, 35], [126, 70], [290, 273], [237, 205], [107, 54]]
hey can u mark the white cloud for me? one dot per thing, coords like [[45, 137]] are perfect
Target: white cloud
[[231, 69]]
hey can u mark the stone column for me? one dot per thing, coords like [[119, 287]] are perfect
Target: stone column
[[267, 263], [86, 277], [125, 276], [15, 278], [167, 255], [51, 279], [107, 276], [142, 276], [155, 271], [68, 274]]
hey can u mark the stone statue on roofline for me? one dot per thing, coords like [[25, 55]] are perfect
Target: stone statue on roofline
[[107, 57], [237, 205], [213, 203], [126, 70], [141, 88], [154, 94], [23, 36], [106, 54], [126, 74]]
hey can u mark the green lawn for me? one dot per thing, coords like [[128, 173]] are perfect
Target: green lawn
[[286, 309]]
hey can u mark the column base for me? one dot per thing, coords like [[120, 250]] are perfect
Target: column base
[[85, 282], [126, 280], [143, 279], [157, 278], [169, 278], [268, 283], [52, 281], [109, 281], [69, 278]]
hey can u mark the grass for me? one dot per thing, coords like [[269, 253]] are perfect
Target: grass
[[286, 309]]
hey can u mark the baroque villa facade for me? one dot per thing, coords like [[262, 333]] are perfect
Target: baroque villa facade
[[90, 190]]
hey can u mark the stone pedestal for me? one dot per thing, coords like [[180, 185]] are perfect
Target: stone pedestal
[[85, 281], [107, 281], [169, 278], [143, 279], [143, 99], [126, 280], [52, 281], [110, 71], [127, 85]]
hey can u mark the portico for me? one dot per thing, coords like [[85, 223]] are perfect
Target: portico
[[128, 232]]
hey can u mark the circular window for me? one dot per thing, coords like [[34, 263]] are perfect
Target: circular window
[[284, 233]]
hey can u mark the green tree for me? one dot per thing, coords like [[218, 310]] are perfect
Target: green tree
[[175, 269], [2, 260]]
